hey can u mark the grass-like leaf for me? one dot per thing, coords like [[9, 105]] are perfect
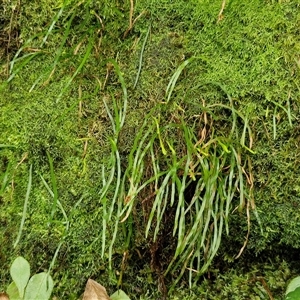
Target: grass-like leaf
[[25, 207], [54, 187]]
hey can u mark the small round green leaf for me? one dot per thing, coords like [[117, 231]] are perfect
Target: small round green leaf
[[119, 295], [13, 292], [293, 285], [20, 273], [39, 287], [294, 295]]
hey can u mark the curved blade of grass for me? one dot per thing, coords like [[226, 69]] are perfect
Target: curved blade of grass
[[32, 55], [155, 165], [55, 19], [161, 212], [4, 178], [234, 111], [179, 215], [117, 123], [107, 184], [109, 115], [274, 123], [110, 251], [123, 110], [58, 203], [229, 189], [7, 146], [141, 57], [82, 63], [58, 55], [287, 111], [163, 149], [135, 179], [175, 77], [28, 57], [25, 207], [241, 179], [54, 187], [16, 57], [156, 205], [179, 221], [117, 178]]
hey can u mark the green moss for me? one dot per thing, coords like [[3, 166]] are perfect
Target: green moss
[[252, 52]]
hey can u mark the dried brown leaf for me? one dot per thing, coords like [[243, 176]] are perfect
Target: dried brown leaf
[[4, 296], [94, 291]]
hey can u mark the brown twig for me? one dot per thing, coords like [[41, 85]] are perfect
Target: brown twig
[[131, 14], [15, 12], [220, 15], [248, 231], [100, 20], [250, 181], [130, 19], [108, 70], [262, 280], [132, 22], [100, 32]]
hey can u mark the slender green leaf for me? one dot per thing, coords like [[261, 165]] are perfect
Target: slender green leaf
[[25, 207], [54, 187], [82, 63], [175, 77], [122, 112], [4, 179], [7, 146], [141, 57]]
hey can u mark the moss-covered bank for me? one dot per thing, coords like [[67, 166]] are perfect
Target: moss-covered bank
[[251, 50]]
